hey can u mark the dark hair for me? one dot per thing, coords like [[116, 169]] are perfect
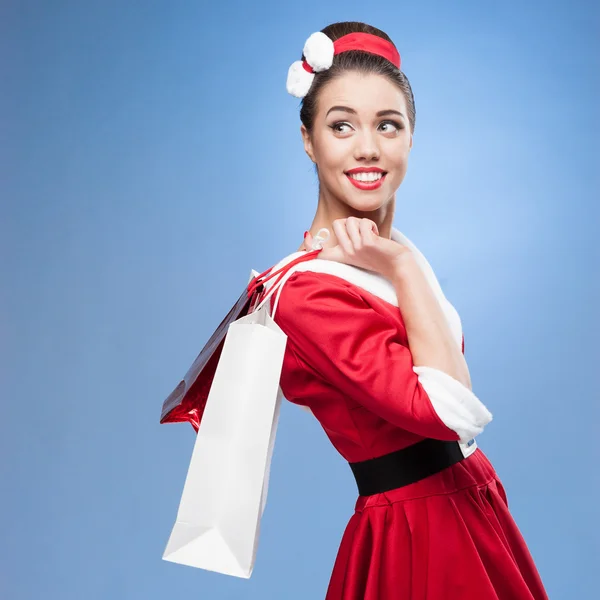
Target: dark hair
[[355, 60]]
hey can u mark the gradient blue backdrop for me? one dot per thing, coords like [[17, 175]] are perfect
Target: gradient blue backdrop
[[151, 157]]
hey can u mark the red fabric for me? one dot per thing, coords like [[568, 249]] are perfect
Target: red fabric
[[307, 67], [263, 277], [367, 42], [449, 536]]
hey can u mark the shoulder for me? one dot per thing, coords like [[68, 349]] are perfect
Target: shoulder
[[320, 307], [323, 275], [327, 282], [307, 289]]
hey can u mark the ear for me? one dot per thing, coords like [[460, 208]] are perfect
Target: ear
[[308, 147], [411, 141]]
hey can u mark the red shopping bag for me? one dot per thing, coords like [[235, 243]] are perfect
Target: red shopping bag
[[188, 400]]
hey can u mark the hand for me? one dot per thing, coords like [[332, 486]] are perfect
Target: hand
[[360, 245]]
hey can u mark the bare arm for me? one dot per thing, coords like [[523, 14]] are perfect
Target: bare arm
[[429, 335], [436, 357]]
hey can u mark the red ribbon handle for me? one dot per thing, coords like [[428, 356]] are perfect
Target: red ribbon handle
[[258, 281]]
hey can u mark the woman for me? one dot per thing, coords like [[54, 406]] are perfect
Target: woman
[[376, 351]]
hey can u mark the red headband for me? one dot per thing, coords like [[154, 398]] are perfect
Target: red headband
[[366, 42]]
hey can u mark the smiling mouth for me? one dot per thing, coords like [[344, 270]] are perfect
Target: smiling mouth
[[366, 181], [366, 177]]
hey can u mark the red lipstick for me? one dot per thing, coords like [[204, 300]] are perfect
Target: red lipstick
[[366, 185]]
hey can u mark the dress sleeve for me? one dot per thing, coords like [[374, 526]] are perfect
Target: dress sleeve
[[333, 330]]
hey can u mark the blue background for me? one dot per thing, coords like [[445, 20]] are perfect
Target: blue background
[[151, 157]]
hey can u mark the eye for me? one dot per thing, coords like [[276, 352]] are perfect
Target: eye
[[338, 124], [397, 125]]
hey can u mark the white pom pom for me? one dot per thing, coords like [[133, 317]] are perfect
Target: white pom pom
[[299, 80], [318, 51]]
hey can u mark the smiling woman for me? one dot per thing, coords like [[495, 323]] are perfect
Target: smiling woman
[[358, 116], [376, 352], [360, 145]]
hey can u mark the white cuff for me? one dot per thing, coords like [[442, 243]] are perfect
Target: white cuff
[[456, 405]]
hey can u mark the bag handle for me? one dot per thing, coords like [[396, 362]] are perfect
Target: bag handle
[[280, 283], [317, 246], [284, 273]]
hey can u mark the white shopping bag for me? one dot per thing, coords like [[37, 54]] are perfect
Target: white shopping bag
[[225, 491]]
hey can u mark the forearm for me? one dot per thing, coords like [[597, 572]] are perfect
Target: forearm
[[430, 338]]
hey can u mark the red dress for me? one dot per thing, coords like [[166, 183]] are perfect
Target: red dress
[[448, 536]]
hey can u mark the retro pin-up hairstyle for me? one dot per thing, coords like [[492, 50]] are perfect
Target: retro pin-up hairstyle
[[341, 47]]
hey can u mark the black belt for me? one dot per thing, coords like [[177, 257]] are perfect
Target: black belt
[[405, 466]]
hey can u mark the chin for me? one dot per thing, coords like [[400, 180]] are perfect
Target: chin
[[368, 205]]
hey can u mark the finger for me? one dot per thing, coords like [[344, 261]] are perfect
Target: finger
[[308, 240], [353, 225], [339, 227], [335, 253], [368, 231]]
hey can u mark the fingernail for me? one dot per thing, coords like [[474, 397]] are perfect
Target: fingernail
[[305, 234]]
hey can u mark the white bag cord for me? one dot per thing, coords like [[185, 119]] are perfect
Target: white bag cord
[[317, 244], [274, 288]]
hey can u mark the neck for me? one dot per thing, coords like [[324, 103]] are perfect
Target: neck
[[329, 209]]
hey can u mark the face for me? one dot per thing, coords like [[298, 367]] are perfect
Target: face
[[361, 122]]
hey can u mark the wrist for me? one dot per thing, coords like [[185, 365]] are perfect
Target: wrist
[[402, 268]]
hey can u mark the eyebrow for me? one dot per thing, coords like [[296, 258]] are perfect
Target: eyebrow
[[381, 113]]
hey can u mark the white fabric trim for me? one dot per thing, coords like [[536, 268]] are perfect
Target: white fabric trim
[[374, 282], [456, 405]]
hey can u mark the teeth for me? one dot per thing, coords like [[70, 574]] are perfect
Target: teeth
[[366, 176]]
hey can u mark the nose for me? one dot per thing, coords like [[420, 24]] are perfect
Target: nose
[[366, 146]]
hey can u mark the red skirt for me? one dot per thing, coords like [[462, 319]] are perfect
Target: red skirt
[[448, 536]]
